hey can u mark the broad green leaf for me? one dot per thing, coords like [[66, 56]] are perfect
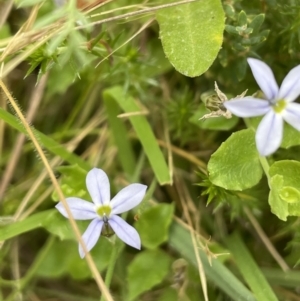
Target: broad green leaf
[[290, 194], [47, 142], [169, 294], [217, 273], [143, 131], [289, 191], [72, 182], [60, 226], [278, 206], [218, 123], [153, 225], [291, 137], [192, 35], [63, 259], [147, 269], [250, 270], [235, 165]]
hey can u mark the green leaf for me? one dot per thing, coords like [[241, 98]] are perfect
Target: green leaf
[[290, 194], [63, 259], [287, 192], [30, 223], [120, 136], [250, 270], [47, 142], [145, 271], [143, 131], [60, 226], [256, 23], [24, 3], [168, 294], [242, 18], [153, 225], [72, 182], [235, 165], [218, 273], [192, 35], [291, 137], [278, 206], [218, 123]]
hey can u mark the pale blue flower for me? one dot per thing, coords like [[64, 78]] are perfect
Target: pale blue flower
[[279, 105], [104, 211]]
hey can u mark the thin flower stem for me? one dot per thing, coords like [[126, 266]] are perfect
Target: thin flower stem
[[33, 268], [111, 265]]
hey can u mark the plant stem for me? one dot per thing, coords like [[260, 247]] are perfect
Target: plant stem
[[111, 266]]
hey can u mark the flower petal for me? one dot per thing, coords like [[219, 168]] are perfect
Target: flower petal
[[98, 186], [290, 87], [91, 235], [125, 232], [264, 78], [247, 107], [81, 210], [269, 133], [128, 198], [291, 115]]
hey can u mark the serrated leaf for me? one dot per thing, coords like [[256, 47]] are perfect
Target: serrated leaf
[[192, 35], [153, 225], [145, 271], [235, 165]]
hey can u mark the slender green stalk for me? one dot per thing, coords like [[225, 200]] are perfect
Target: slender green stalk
[[111, 265], [32, 270], [38, 261]]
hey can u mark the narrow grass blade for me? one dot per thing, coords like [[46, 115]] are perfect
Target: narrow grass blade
[[249, 269], [47, 142], [30, 223], [279, 277], [125, 152], [143, 131], [220, 275]]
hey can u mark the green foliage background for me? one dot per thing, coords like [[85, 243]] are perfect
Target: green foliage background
[[125, 93]]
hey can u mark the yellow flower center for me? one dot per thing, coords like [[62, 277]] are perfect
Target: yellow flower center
[[104, 211], [279, 106]]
